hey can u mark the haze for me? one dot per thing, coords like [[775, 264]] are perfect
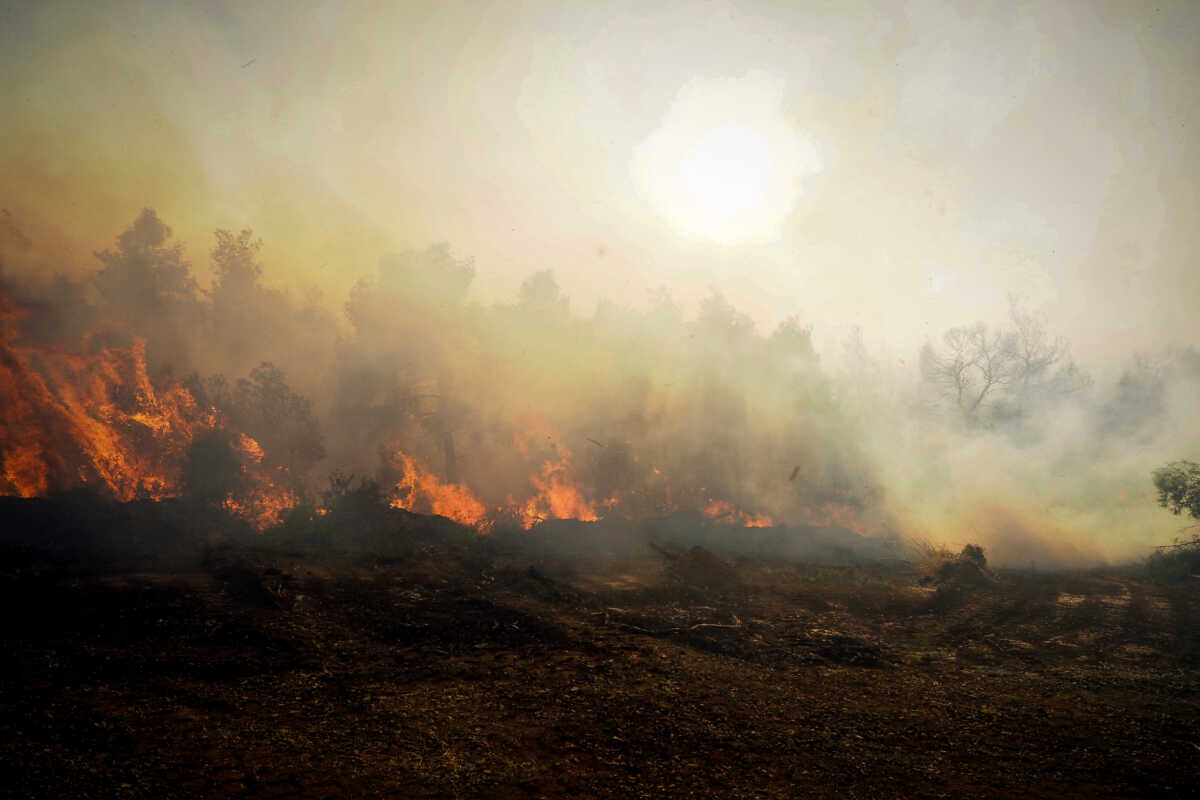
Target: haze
[[965, 151]]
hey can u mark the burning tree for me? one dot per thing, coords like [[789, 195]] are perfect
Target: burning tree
[[269, 409], [266, 441]]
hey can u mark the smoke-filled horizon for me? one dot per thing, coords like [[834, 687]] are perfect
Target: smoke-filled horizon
[[127, 379]]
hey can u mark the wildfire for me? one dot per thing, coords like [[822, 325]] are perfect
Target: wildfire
[[727, 514], [557, 494], [264, 501], [250, 449], [422, 490], [95, 420], [92, 416], [263, 505], [842, 515], [89, 414], [557, 497]]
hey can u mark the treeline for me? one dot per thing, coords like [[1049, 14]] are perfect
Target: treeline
[[648, 406]]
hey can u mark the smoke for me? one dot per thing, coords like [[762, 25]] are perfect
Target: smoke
[[1051, 468], [528, 405], [527, 408]]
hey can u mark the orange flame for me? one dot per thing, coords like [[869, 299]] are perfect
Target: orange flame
[[422, 490], [92, 416], [265, 501], [70, 420], [557, 495], [726, 513]]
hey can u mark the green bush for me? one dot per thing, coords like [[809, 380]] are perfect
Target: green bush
[[1178, 485]]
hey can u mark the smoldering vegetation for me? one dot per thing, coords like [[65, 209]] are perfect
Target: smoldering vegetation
[[527, 411]]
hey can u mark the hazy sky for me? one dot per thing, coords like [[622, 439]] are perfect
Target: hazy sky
[[903, 166]]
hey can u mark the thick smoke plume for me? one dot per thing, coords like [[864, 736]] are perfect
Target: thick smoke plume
[[137, 381]]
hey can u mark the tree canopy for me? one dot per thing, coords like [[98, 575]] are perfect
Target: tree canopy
[[1178, 485]]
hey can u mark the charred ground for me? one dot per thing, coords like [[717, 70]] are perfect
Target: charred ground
[[154, 652]]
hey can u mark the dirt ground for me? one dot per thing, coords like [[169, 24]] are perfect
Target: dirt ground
[[472, 670]]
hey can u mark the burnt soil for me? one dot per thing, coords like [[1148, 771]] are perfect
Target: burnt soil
[[460, 667]]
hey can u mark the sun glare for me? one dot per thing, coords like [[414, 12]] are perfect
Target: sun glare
[[725, 164], [726, 173]]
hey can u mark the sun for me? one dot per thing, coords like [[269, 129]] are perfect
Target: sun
[[725, 175], [725, 164]]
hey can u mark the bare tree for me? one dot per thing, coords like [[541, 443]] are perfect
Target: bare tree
[[1036, 351], [1045, 368], [1001, 375], [973, 370]]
